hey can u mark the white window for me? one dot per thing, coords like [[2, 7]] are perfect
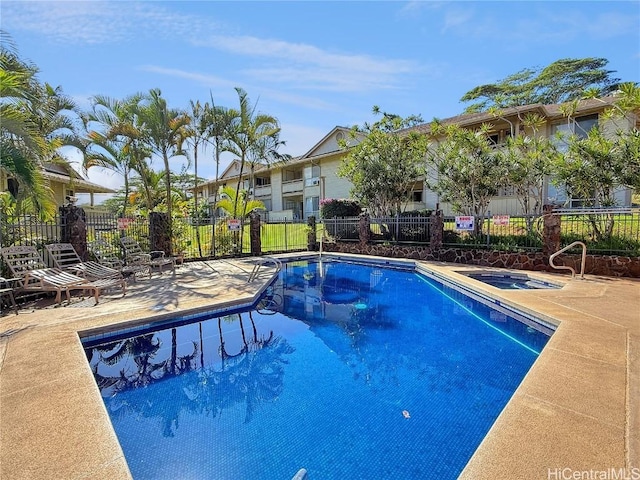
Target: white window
[[263, 181], [311, 205], [579, 126], [507, 191], [267, 203]]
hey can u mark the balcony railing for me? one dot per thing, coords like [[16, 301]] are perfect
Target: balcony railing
[[292, 186]]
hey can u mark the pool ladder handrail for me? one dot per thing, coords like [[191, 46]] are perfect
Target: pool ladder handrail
[[256, 268], [566, 267]]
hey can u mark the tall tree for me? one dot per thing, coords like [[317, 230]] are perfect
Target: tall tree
[[248, 132], [385, 164], [165, 130], [627, 138], [148, 189], [218, 121], [468, 171], [562, 81], [23, 147], [197, 135], [114, 139], [530, 159]]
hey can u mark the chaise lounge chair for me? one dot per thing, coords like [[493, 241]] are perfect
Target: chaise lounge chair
[[135, 256], [104, 254], [6, 290], [65, 257], [26, 264]]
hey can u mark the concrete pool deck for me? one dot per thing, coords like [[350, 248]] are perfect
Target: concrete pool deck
[[577, 410]]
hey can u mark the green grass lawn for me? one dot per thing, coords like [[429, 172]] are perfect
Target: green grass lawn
[[275, 237]]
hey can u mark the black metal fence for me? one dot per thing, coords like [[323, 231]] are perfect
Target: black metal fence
[[613, 232], [398, 229], [193, 238], [500, 232], [604, 233]]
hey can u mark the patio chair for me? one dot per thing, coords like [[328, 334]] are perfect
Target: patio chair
[[26, 264], [65, 257], [134, 255], [6, 290], [105, 255]]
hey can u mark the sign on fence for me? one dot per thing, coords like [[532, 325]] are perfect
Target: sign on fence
[[501, 219], [465, 223], [233, 225], [123, 223]]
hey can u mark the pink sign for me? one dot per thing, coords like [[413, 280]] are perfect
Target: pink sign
[[501, 219], [124, 223]]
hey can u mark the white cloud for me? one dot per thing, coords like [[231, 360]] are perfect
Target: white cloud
[[457, 18], [202, 78], [309, 67], [214, 81], [105, 178], [543, 25], [286, 65], [99, 22]]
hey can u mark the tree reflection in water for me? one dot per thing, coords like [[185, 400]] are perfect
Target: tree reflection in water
[[252, 375]]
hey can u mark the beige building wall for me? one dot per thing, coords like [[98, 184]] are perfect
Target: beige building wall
[[276, 190], [333, 185]]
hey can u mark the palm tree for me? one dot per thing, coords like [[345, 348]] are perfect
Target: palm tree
[[165, 130], [58, 119], [197, 134], [23, 145], [237, 207], [218, 122], [113, 139], [249, 135], [149, 184]]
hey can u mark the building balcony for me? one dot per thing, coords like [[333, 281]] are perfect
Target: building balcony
[[263, 191], [292, 186]]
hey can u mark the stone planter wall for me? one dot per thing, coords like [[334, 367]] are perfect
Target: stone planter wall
[[607, 265]]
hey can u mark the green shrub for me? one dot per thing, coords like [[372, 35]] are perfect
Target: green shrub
[[332, 208]]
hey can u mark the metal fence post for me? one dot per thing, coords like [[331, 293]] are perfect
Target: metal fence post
[[488, 228], [286, 246]]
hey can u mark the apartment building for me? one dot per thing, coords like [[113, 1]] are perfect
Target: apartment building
[[291, 191], [294, 190]]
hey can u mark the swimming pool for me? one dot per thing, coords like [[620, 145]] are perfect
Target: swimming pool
[[349, 371]]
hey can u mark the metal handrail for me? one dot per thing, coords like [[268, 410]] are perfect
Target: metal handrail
[[566, 267], [256, 267]]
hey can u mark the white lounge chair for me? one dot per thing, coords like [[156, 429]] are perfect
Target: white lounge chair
[[65, 257], [26, 263], [105, 255], [6, 290], [134, 255]]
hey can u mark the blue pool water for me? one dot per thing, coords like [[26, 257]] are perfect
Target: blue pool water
[[350, 371]]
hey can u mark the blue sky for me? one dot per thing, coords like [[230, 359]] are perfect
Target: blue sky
[[313, 65]]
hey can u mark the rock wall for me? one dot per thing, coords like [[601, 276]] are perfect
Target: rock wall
[[160, 232], [607, 265], [74, 229]]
